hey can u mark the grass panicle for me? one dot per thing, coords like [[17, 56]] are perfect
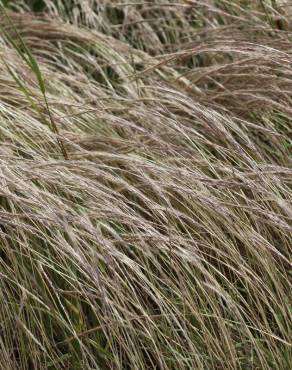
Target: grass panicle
[[145, 185]]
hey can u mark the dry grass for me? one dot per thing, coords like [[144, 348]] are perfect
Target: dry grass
[[145, 198]]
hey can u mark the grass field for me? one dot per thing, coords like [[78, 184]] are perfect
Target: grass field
[[145, 185]]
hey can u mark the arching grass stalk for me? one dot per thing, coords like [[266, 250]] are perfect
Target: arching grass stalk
[[24, 52]]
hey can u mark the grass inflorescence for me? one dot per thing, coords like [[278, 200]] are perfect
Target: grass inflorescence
[[145, 185]]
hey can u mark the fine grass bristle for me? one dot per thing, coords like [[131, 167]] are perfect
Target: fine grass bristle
[[145, 185]]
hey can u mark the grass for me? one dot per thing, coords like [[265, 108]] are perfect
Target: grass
[[145, 197]]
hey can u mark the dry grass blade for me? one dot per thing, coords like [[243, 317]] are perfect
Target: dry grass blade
[[160, 238]]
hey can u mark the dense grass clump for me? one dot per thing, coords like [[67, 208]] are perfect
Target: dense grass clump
[[145, 197]]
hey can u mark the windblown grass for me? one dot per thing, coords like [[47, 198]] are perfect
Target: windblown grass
[[161, 239]]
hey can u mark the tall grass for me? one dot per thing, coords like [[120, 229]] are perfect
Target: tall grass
[[145, 197]]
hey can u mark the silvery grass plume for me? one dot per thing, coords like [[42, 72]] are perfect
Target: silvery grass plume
[[145, 197]]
